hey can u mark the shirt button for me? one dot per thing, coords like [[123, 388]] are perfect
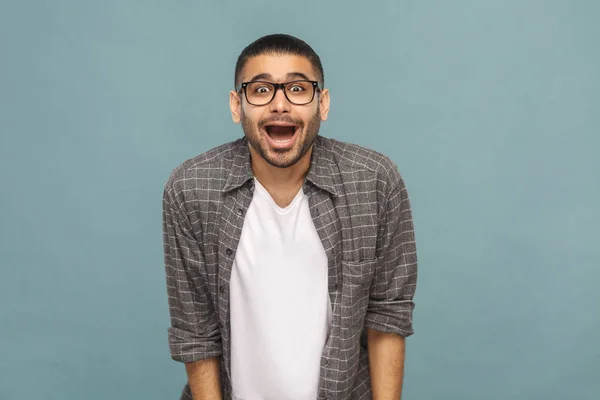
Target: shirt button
[[221, 289], [240, 211], [228, 251]]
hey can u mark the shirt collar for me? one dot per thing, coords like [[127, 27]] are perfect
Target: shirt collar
[[320, 173]]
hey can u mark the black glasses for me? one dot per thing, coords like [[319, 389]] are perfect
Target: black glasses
[[261, 93]]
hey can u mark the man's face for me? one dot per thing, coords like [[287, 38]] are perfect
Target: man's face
[[280, 132]]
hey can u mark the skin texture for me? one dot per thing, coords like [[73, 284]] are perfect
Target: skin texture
[[204, 379], [386, 364]]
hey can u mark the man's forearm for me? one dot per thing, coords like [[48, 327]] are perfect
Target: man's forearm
[[204, 379], [386, 364]]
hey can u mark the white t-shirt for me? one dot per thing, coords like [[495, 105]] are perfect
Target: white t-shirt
[[279, 302]]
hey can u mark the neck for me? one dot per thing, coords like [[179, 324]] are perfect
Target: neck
[[280, 179]]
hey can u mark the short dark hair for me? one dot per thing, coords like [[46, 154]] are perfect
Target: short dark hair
[[278, 43]]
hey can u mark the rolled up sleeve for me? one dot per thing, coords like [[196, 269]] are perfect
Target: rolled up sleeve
[[394, 281], [194, 332]]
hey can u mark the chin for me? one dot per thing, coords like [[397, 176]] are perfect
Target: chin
[[280, 162]]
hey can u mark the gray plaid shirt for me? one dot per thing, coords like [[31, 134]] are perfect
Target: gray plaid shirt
[[361, 212]]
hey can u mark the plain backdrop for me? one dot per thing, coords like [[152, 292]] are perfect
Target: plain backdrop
[[491, 109]]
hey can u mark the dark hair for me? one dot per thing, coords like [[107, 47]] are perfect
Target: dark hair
[[278, 44]]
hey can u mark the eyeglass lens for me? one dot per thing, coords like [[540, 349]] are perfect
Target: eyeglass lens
[[298, 92]]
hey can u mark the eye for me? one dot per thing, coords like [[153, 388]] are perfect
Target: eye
[[296, 88], [262, 89]]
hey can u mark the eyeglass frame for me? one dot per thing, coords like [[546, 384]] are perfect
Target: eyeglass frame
[[277, 86]]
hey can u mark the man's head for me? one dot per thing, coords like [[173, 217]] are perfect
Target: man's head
[[280, 122]]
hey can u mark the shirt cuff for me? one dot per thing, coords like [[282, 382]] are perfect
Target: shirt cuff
[[400, 324], [188, 347]]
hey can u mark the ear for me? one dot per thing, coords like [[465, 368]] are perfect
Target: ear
[[235, 105], [324, 104]]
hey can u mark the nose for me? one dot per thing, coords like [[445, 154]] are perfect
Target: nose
[[280, 103]]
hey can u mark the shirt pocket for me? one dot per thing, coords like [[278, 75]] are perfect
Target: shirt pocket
[[356, 277]]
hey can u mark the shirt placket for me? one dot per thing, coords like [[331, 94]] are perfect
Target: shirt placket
[[328, 228], [235, 205]]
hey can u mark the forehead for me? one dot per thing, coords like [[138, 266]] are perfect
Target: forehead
[[278, 66]]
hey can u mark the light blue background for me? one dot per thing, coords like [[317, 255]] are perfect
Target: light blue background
[[491, 109]]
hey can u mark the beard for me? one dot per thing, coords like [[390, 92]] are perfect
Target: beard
[[282, 158]]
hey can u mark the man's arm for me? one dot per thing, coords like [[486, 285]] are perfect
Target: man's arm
[[386, 364], [194, 335], [389, 314], [203, 377]]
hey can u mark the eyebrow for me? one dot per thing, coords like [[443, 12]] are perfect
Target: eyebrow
[[289, 75]]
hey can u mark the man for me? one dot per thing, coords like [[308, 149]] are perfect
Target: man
[[290, 257]]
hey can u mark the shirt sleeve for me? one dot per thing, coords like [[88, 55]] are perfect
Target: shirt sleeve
[[394, 281], [194, 332]]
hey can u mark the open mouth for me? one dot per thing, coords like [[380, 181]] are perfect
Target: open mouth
[[281, 134]]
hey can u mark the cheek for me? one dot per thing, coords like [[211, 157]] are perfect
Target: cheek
[[309, 115], [249, 117]]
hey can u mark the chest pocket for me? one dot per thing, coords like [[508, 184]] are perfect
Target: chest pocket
[[359, 228], [356, 277]]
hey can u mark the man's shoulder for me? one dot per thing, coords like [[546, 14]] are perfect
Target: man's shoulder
[[354, 157], [210, 165]]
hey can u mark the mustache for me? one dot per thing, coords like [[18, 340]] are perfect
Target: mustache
[[288, 120]]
